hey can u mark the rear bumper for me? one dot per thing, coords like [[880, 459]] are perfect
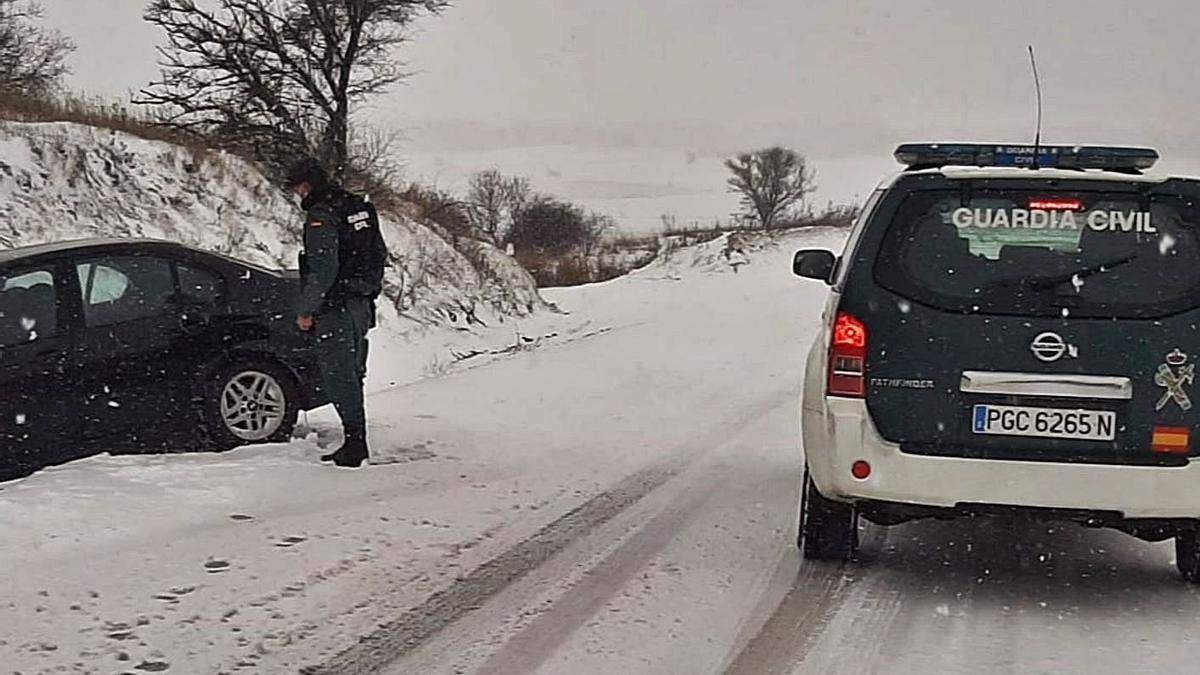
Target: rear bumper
[[842, 433]]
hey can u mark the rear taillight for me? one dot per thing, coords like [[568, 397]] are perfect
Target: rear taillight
[[848, 357]]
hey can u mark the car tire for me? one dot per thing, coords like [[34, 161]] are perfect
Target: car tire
[[249, 403], [828, 529], [1187, 555]]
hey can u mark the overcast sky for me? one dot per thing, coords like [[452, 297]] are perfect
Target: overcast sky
[[826, 76]]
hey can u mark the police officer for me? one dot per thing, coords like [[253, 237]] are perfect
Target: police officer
[[341, 272]]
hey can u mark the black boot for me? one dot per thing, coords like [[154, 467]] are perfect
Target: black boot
[[354, 452]]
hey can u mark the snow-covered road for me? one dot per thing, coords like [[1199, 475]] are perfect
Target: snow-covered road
[[620, 502], [983, 597]]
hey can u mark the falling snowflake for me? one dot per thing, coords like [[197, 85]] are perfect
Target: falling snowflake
[[1066, 312], [1166, 244], [904, 306], [20, 419], [1077, 282]]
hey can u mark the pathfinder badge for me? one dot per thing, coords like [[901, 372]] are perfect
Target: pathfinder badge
[[1174, 375]]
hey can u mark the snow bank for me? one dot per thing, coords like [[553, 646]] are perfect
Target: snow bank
[[63, 181], [733, 251]]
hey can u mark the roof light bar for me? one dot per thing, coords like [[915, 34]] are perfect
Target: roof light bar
[[933, 155]]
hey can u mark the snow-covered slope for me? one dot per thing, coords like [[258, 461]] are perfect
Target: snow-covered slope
[[733, 251], [62, 181]]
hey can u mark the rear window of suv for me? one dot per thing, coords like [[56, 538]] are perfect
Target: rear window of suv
[[1111, 254]]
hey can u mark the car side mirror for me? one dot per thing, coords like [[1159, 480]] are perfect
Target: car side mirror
[[814, 263]]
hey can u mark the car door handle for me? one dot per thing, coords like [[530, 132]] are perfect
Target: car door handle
[[194, 322], [55, 359]]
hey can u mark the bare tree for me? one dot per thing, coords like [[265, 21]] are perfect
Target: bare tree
[[32, 58], [373, 165], [278, 77], [488, 198], [517, 195], [770, 181], [496, 202], [597, 226]]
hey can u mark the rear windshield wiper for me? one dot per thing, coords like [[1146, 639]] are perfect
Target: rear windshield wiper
[[1043, 283]]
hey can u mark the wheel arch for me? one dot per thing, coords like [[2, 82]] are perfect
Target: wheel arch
[[256, 353]]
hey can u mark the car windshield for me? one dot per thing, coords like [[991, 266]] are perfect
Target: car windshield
[[1040, 252]]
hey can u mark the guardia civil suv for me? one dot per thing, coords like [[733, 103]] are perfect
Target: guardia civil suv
[[1009, 328]]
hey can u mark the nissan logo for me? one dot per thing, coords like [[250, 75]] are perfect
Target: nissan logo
[[1050, 347]]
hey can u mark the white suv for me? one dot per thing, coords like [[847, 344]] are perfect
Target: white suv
[[1009, 328]]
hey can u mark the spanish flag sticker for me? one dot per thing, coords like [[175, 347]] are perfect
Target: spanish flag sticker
[[1173, 440]]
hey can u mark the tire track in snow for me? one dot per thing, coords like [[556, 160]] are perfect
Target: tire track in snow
[[797, 623], [399, 637], [817, 593], [395, 639], [538, 641], [529, 623], [984, 595]]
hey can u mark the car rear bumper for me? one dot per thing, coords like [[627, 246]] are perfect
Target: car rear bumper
[[842, 433]]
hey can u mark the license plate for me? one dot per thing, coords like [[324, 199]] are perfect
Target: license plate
[[1078, 425]]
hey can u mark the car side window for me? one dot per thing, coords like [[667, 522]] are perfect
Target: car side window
[[118, 289], [198, 285], [856, 234], [28, 307]]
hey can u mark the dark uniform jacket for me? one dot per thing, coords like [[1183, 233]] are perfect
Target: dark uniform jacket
[[344, 254]]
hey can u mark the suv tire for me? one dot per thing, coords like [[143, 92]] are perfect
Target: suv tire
[[1187, 555], [828, 529]]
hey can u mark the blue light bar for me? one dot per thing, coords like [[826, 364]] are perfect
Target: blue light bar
[[933, 155]]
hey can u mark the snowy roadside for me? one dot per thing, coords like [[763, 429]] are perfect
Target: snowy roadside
[[263, 560]]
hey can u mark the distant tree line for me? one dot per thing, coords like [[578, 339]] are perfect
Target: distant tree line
[[554, 239]]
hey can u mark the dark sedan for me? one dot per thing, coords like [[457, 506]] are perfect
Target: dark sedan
[[138, 345]]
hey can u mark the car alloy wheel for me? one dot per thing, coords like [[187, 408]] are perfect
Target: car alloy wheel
[[253, 406]]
